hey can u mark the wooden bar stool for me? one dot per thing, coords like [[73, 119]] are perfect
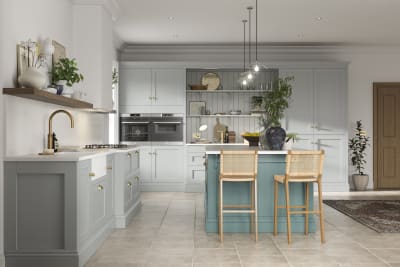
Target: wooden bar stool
[[301, 167], [238, 166]]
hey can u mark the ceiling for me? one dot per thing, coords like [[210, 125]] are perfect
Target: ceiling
[[362, 22]]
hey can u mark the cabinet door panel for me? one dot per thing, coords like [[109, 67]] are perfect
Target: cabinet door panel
[[99, 189], [330, 101], [169, 164], [135, 87], [146, 164], [335, 157], [300, 114], [169, 87]]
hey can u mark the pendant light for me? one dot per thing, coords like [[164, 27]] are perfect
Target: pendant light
[[249, 74], [244, 81], [256, 67]]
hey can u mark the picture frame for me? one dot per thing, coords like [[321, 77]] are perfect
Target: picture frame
[[59, 52], [197, 108]]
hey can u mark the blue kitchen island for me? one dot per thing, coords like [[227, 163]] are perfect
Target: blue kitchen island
[[269, 164]]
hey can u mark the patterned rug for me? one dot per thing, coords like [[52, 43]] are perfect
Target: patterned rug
[[382, 216]]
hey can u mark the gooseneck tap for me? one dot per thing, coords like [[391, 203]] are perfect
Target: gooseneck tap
[[50, 135]]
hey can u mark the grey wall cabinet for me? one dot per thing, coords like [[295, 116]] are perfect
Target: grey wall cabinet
[[127, 187], [56, 214], [151, 90]]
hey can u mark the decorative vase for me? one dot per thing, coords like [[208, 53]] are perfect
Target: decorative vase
[[275, 138], [32, 78], [60, 86], [360, 181]]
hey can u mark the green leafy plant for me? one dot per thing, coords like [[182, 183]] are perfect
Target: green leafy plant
[[66, 69], [357, 145], [291, 136], [276, 101]]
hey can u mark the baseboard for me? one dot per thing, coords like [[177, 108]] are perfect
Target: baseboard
[[195, 188], [162, 187], [2, 260], [122, 221]]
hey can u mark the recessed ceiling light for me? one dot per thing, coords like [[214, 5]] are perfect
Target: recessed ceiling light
[[171, 18], [318, 18]]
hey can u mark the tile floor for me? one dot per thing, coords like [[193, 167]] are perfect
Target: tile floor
[[169, 231]]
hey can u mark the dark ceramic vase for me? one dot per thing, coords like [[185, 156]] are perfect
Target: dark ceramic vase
[[275, 137]]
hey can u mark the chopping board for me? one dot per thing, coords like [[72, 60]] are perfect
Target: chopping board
[[218, 128]]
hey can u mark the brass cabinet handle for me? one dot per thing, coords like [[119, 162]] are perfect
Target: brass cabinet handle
[[204, 157], [137, 178], [136, 152], [129, 184], [109, 167], [92, 174], [100, 187], [129, 154]]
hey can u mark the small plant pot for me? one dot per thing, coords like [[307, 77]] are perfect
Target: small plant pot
[[360, 182]]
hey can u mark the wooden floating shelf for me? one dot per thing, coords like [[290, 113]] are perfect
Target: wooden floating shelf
[[225, 91], [44, 96]]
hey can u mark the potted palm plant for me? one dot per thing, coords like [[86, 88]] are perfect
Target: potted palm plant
[[275, 102], [357, 146]]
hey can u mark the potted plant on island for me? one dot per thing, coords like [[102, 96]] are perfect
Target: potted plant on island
[[357, 146], [65, 72], [275, 102]]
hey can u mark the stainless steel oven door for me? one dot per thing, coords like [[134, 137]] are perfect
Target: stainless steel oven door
[[134, 131], [167, 130]]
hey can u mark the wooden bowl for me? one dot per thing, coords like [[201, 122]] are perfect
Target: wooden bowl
[[253, 140], [198, 87]]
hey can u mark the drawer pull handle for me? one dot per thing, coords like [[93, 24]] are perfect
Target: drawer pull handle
[[100, 187], [137, 178], [129, 154], [92, 174], [109, 168], [129, 184], [137, 152]]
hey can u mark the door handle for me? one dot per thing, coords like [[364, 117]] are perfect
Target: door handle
[[100, 187]]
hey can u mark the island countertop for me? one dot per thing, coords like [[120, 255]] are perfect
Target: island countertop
[[216, 150]]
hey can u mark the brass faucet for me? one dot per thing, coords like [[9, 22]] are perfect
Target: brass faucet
[[50, 136]]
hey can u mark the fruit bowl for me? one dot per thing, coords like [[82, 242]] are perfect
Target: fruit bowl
[[252, 138]]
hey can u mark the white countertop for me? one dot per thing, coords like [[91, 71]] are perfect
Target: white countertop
[[70, 156], [216, 150]]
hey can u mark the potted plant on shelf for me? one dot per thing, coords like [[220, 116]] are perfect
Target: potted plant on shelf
[[357, 146], [65, 72], [275, 102]]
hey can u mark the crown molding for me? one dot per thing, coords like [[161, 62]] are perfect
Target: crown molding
[[111, 6]]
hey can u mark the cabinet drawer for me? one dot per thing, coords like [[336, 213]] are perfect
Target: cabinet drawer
[[196, 158], [197, 174]]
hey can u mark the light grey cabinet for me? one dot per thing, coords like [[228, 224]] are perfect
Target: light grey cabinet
[[55, 213], [196, 171], [151, 90], [318, 114], [127, 187], [162, 168]]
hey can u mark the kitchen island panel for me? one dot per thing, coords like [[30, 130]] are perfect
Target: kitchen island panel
[[239, 193]]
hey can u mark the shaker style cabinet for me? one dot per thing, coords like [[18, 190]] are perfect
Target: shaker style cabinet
[[151, 90], [127, 187], [162, 168], [317, 113], [196, 170]]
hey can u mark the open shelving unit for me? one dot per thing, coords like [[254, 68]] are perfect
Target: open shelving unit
[[43, 96]]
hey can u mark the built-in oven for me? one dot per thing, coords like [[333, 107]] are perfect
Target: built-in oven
[[134, 128], [160, 127]]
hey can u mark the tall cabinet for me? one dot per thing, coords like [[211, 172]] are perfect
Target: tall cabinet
[[318, 114]]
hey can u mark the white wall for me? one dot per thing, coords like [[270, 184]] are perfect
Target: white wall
[[26, 120], [2, 83], [366, 65]]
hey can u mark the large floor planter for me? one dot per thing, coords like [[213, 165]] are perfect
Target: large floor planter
[[360, 182]]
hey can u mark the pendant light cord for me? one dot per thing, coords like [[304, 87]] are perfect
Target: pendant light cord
[[256, 31], [250, 8], [244, 44]]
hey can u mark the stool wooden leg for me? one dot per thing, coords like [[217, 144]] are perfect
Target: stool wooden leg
[[307, 200], [289, 228], [255, 209], [221, 214], [276, 207], [321, 213]]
